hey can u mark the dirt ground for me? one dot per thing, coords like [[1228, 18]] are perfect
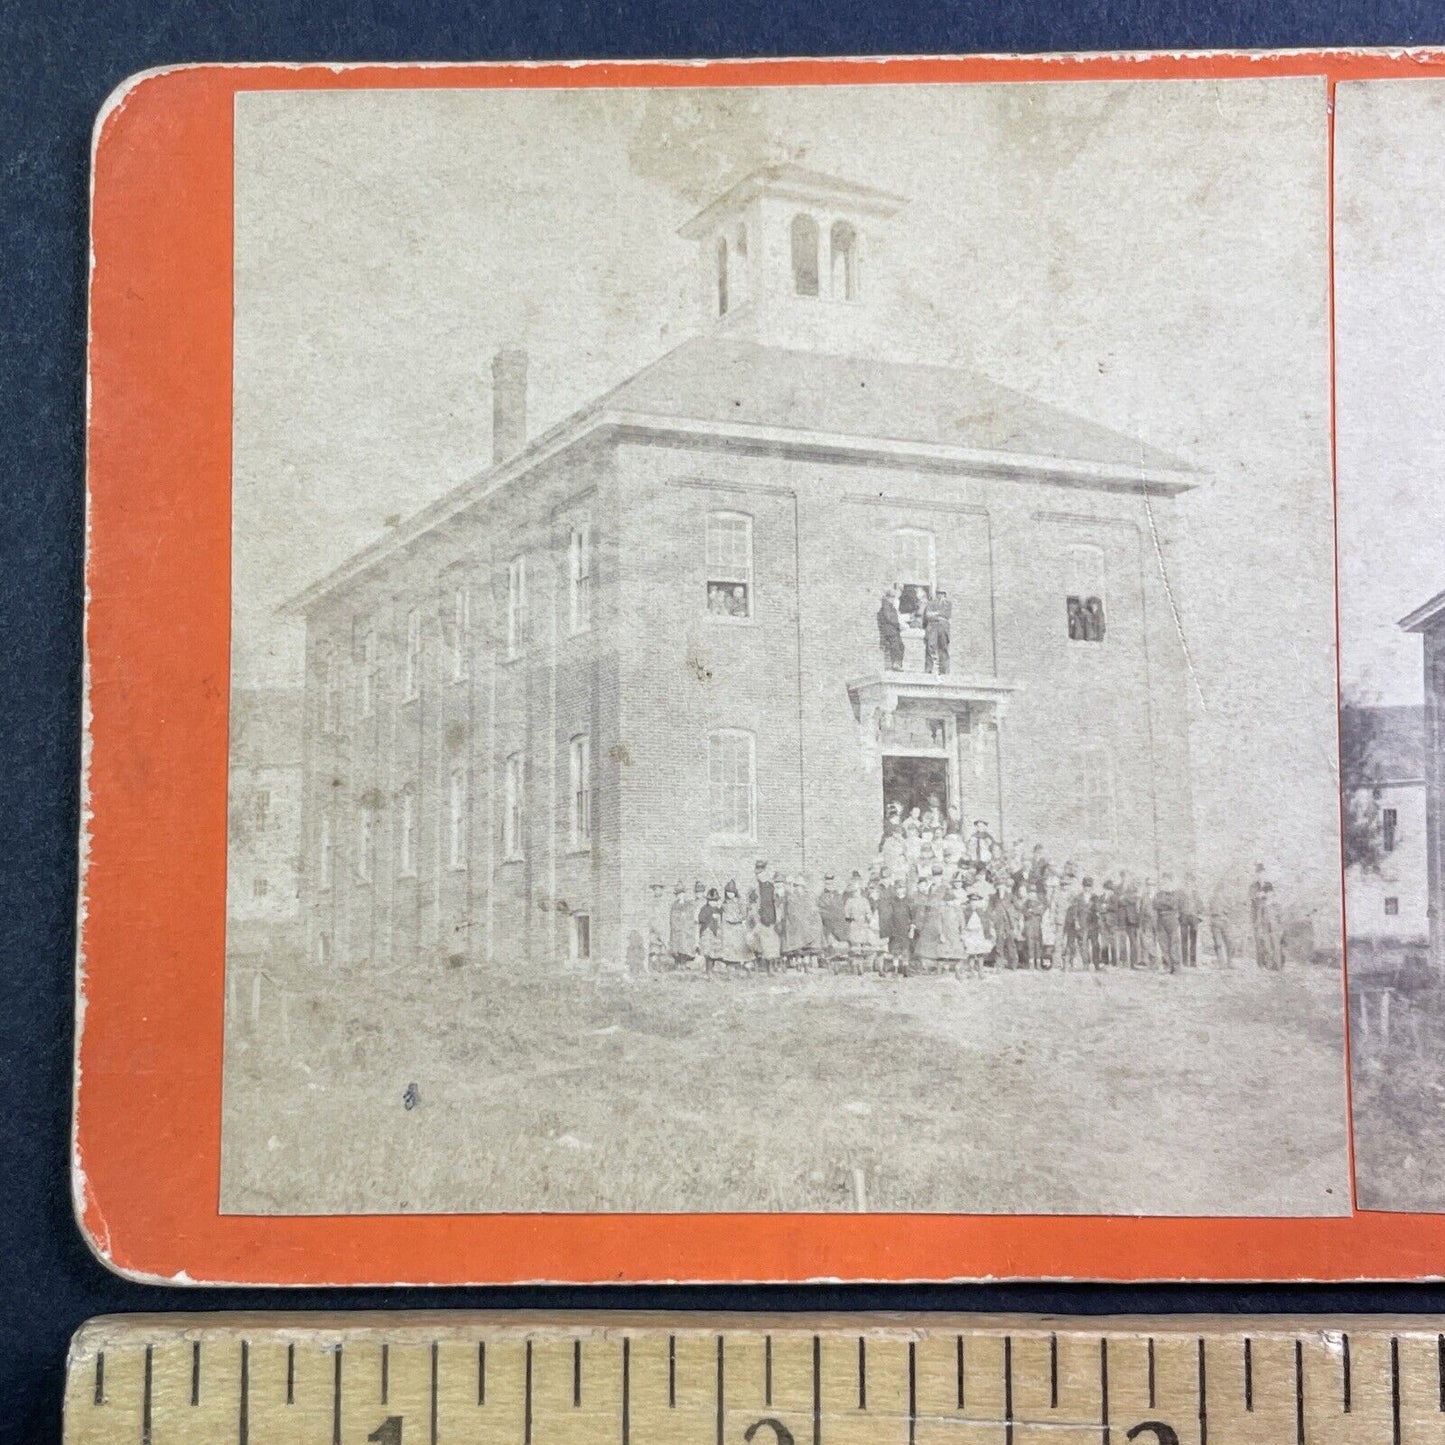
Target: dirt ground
[[1212, 1092]]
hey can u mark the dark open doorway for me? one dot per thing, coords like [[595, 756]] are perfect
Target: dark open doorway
[[914, 783]]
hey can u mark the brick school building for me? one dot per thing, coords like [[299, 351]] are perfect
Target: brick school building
[[642, 647]]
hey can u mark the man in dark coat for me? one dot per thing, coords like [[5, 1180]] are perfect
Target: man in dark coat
[[937, 617], [1167, 908], [1000, 919], [890, 632]]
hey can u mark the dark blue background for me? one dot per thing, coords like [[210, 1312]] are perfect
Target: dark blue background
[[58, 61]]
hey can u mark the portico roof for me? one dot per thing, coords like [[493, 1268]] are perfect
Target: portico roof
[[1425, 615], [888, 689]]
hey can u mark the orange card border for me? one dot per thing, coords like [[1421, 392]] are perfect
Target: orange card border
[[147, 1127]]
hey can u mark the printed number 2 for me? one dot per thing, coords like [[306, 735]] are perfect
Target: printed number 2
[[389, 1431], [1163, 1434], [781, 1433]]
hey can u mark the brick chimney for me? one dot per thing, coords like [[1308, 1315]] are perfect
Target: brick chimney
[[509, 404]]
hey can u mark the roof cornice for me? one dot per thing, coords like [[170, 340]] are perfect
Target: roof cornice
[[820, 446]]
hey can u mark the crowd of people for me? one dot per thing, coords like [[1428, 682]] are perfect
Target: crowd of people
[[937, 900]]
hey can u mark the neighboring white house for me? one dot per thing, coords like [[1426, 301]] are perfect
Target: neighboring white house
[[1390, 904]]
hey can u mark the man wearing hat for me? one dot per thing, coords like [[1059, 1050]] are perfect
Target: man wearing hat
[[937, 619], [1002, 924], [890, 632], [981, 845], [682, 927]]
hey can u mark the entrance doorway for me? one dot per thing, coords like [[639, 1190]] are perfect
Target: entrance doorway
[[913, 782]]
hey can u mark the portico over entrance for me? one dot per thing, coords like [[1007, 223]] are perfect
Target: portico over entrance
[[931, 737]]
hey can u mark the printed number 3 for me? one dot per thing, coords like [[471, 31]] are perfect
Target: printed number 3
[[388, 1432], [1164, 1434]]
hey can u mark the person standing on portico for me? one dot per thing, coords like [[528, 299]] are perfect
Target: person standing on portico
[[937, 617], [890, 632]]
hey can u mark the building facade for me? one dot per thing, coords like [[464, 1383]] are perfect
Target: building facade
[[263, 898], [643, 647], [1429, 621], [1388, 899]]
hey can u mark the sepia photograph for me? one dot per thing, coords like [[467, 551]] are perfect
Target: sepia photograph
[[784, 652], [1390, 150]]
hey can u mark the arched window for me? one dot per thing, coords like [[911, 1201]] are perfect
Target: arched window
[[913, 572], [722, 276], [732, 793], [805, 255], [843, 247]]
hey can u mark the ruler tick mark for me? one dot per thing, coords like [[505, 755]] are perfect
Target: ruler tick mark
[[243, 1422], [435, 1352], [720, 1384], [912, 1392], [385, 1372], [1053, 1372], [959, 1351], [1151, 1371], [1299, 1392], [1008, 1389], [1394, 1390], [100, 1378], [1203, 1398], [1440, 1367], [1248, 1375], [195, 1372], [527, 1399], [626, 1390], [767, 1369], [336, 1398], [145, 1406], [1104, 1387], [576, 1374], [817, 1390], [672, 1372], [862, 1373], [1345, 1372], [481, 1372], [290, 1374]]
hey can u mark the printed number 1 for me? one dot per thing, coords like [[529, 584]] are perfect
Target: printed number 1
[[388, 1432]]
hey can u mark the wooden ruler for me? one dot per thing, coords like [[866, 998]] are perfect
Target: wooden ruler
[[694, 1379]]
